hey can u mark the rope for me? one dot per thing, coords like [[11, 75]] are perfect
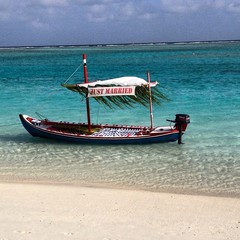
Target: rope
[[73, 73], [41, 116]]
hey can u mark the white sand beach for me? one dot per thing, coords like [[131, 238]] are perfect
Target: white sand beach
[[31, 211]]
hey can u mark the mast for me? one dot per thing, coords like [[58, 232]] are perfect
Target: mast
[[87, 99], [150, 100]]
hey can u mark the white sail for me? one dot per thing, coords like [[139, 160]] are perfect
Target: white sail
[[122, 81]]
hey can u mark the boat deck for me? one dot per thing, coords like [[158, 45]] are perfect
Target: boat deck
[[108, 131], [117, 132]]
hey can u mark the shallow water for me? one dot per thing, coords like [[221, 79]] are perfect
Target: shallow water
[[202, 80]]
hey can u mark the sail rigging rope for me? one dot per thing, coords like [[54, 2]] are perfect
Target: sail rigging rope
[[41, 116], [73, 73]]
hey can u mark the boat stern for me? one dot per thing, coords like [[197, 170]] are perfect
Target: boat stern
[[182, 121]]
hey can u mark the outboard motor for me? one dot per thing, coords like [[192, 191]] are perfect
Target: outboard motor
[[181, 122]]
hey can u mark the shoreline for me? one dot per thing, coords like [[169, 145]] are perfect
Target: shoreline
[[85, 184], [33, 211]]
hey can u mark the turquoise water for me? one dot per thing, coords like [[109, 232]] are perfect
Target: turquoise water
[[202, 80]]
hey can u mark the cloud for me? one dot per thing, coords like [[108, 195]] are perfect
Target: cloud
[[180, 6], [43, 13], [93, 10], [98, 13], [189, 6], [39, 24], [35, 13], [116, 11], [234, 7], [107, 19], [4, 16], [105, 10], [51, 3], [5, 10]]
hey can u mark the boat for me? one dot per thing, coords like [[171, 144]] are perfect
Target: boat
[[116, 92]]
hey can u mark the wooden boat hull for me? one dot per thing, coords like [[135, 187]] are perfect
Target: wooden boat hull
[[35, 128]]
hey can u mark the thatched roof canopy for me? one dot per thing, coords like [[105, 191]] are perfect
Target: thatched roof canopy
[[119, 86]]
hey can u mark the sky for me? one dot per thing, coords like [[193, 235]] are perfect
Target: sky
[[80, 22]]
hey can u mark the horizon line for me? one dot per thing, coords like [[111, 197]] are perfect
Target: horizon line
[[118, 44]]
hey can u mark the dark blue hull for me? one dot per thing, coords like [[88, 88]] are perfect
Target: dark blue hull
[[36, 131]]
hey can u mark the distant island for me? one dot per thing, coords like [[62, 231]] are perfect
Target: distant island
[[121, 44]]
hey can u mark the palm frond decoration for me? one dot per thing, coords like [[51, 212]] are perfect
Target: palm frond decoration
[[122, 101]]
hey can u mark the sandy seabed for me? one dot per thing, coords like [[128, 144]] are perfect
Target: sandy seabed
[[32, 211]]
